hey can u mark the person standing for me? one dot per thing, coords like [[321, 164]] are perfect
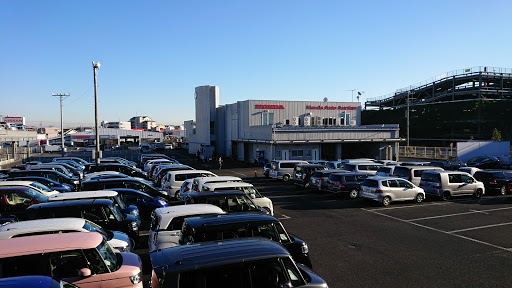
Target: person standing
[[220, 163]]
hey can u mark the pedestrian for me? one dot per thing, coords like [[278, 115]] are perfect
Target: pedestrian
[[197, 155], [220, 163]]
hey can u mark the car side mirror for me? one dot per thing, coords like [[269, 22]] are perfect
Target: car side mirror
[[285, 285], [84, 272]]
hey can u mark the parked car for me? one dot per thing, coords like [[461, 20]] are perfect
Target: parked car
[[130, 183], [484, 162], [266, 170], [146, 157], [150, 163], [144, 202], [446, 184], [253, 193], [162, 170], [34, 282], [470, 170], [331, 165], [389, 189], [221, 227], [119, 241], [349, 183], [283, 169], [50, 174], [100, 211], [302, 173], [229, 201], [173, 180], [385, 170], [105, 175], [166, 223], [32, 184], [197, 183], [127, 170], [364, 167], [76, 159], [145, 148], [448, 164], [413, 173], [495, 181], [59, 167], [84, 259], [186, 187], [319, 179], [16, 200], [265, 264]]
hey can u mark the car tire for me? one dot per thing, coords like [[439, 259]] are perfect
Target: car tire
[[354, 193], [177, 195], [286, 178], [478, 193], [446, 196], [419, 198], [386, 201], [503, 190]]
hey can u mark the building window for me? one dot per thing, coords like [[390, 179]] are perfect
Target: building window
[[267, 118], [278, 154], [297, 153], [308, 153], [212, 127], [287, 121]]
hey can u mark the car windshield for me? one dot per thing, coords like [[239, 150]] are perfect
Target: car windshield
[[120, 201], [108, 255], [90, 226], [40, 186], [36, 195], [252, 191]]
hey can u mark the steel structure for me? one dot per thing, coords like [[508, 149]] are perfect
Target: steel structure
[[459, 85]]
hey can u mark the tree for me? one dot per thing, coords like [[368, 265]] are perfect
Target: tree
[[496, 135]]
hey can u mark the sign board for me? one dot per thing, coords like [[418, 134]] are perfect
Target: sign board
[[15, 120]]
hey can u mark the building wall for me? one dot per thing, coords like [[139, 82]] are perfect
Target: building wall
[[207, 100]]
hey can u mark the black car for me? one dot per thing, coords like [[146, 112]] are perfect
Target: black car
[[494, 180], [16, 200], [303, 172], [50, 174], [125, 169], [100, 211], [54, 185], [226, 226], [448, 165], [146, 157], [484, 162], [143, 201], [229, 201], [346, 183], [130, 183]]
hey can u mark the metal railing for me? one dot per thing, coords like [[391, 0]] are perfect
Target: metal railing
[[441, 153]]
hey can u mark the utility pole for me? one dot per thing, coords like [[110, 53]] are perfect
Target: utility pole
[[352, 93], [97, 152], [61, 96]]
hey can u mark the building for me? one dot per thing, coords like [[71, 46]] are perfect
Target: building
[[262, 130], [112, 137], [139, 122]]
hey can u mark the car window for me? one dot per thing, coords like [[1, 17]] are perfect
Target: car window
[[65, 264], [16, 198], [36, 264], [466, 178], [393, 183], [350, 178], [93, 214], [404, 184], [454, 178]]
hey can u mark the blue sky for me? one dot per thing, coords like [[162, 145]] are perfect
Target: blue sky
[[154, 53]]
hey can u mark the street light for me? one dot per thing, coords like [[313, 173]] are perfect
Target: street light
[[97, 152]]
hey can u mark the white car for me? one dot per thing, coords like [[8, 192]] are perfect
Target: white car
[[173, 180], [32, 184], [389, 189], [166, 223]]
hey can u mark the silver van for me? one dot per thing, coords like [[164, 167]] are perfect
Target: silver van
[[283, 169], [446, 184], [413, 173], [364, 167]]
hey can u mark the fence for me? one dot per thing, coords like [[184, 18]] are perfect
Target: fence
[[444, 153]]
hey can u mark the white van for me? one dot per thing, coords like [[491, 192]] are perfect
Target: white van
[[257, 198], [173, 180], [166, 223], [283, 169], [413, 173], [197, 184], [117, 240]]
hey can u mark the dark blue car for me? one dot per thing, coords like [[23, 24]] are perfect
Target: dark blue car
[[143, 201], [54, 185]]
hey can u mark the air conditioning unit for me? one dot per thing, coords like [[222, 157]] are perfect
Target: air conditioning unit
[[295, 121], [319, 121], [307, 121], [352, 122]]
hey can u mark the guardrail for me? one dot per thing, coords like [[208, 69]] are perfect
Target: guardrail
[[441, 153]]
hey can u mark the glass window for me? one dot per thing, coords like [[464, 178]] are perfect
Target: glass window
[[404, 184], [293, 273], [454, 178], [36, 195], [93, 213], [108, 255], [65, 264], [466, 179], [393, 183]]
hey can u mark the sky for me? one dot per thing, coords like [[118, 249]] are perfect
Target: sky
[[154, 53]]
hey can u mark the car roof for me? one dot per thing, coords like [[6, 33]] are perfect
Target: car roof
[[16, 183], [218, 178], [380, 178], [213, 253], [352, 173], [113, 180], [49, 243], [220, 193], [168, 213], [128, 190], [30, 226], [82, 195], [311, 165], [418, 167], [227, 219], [189, 171], [81, 202], [227, 184], [14, 188]]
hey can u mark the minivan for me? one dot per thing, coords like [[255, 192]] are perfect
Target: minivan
[[283, 169], [197, 184], [302, 173], [446, 184], [413, 173], [366, 167], [84, 259], [173, 180], [256, 261], [349, 183], [319, 179]]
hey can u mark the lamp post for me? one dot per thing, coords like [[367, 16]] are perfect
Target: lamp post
[[97, 151]]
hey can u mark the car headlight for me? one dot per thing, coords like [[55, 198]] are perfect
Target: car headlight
[[136, 279], [162, 202], [305, 249], [76, 182], [134, 226], [135, 212]]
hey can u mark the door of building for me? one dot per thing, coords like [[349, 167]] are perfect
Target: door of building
[[286, 154], [315, 154]]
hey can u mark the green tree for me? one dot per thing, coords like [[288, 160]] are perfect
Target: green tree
[[496, 135]]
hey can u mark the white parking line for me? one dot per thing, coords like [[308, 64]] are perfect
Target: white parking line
[[409, 206], [440, 231], [479, 211], [481, 227], [458, 214], [284, 217]]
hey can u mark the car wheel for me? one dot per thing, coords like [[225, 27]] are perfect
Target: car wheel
[[354, 193], [446, 195], [386, 201], [419, 198], [306, 185], [478, 193], [286, 178], [132, 242], [503, 190], [177, 195]]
